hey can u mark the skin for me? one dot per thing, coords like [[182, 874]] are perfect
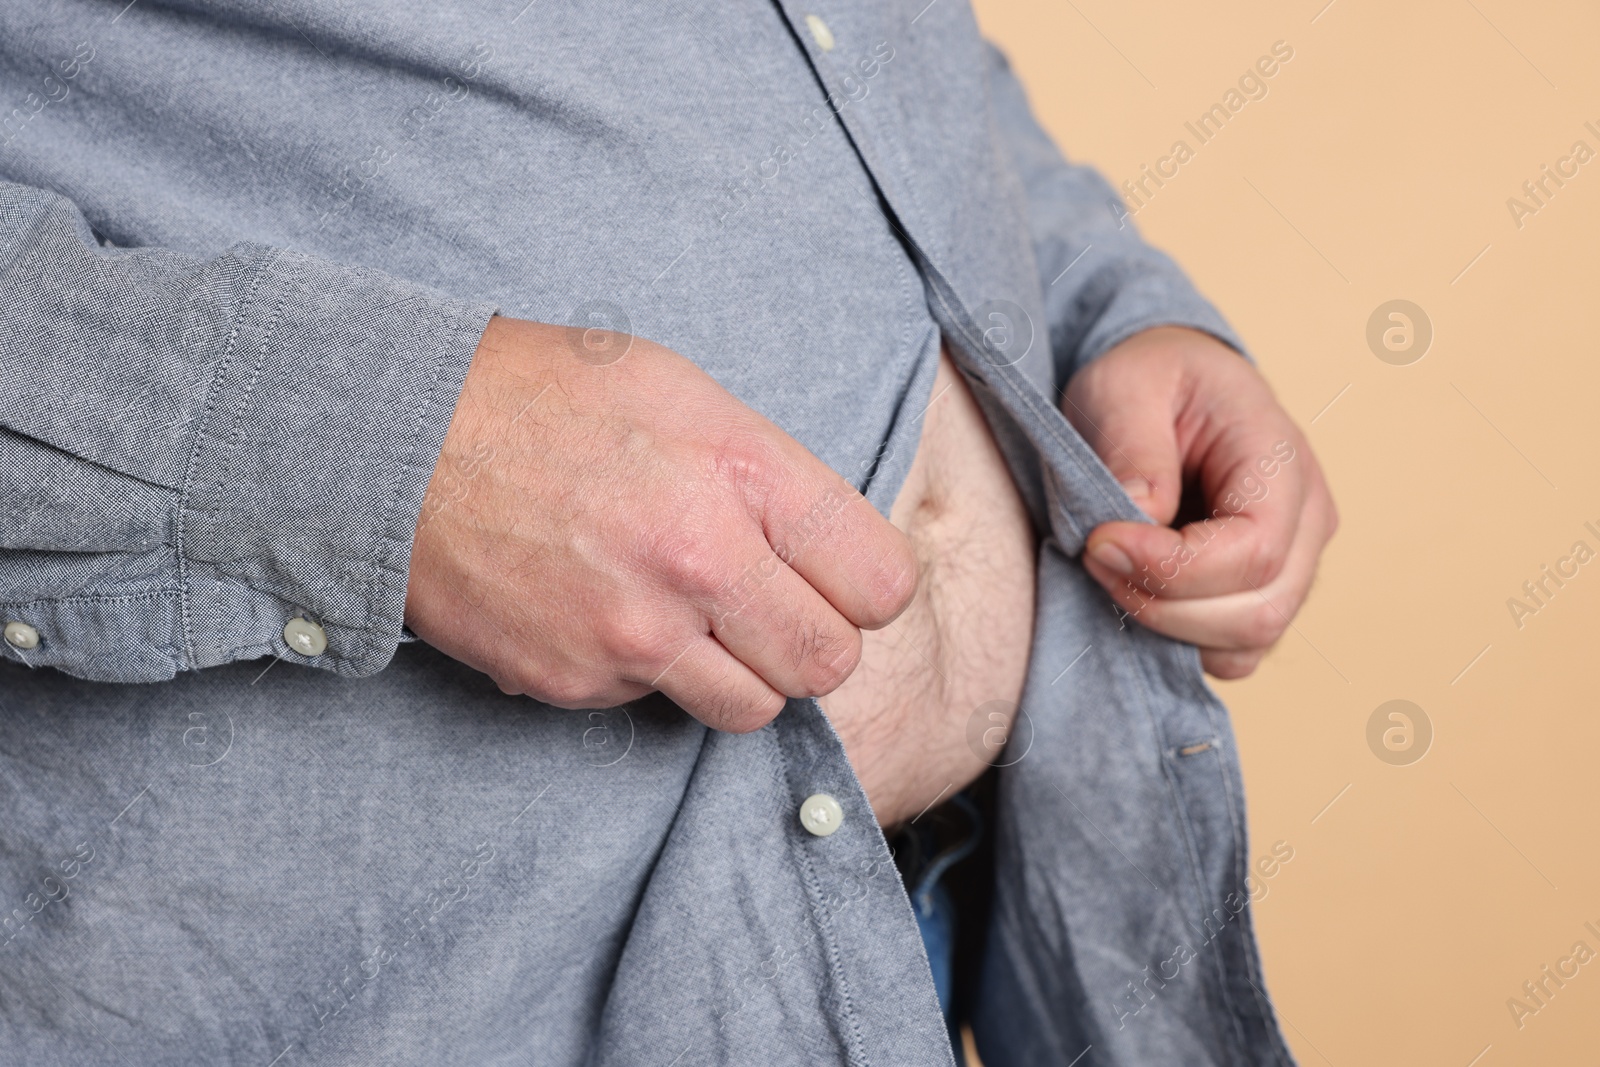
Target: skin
[[600, 526], [1172, 408], [961, 649], [597, 530]]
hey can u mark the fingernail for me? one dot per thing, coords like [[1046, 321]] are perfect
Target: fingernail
[[1138, 488], [1109, 556]]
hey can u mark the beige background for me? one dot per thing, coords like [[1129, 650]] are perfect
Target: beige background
[[1378, 167]]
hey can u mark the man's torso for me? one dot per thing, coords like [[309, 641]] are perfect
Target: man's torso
[[413, 867], [960, 651]]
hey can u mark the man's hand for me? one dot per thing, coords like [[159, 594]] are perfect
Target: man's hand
[[1181, 419], [599, 529]]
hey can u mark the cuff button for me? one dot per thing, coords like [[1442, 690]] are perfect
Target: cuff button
[[21, 635], [302, 636]]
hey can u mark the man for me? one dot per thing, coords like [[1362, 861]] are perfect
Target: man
[[257, 402]]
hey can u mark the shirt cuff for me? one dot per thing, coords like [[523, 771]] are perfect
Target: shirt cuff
[[322, 428], [1144, 299]]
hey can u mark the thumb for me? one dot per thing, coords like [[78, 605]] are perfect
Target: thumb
[[1135, 435]]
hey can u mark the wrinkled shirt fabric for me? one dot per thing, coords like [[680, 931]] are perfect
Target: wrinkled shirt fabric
[[246, 253]]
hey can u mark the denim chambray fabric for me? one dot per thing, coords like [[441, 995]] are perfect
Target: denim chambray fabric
[[246, 252]]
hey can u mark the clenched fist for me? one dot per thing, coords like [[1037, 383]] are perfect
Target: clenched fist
[[1242, 510], [596, 532]]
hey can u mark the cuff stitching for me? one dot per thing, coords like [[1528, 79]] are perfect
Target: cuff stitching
[[247, 389], [123, 599], [180, 527]]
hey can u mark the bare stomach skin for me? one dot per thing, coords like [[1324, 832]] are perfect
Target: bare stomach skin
[[935, 691]]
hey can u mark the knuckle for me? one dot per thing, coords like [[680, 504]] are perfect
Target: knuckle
[[894, 585], [696, 568], [562, 689], [1263, 626], [1264, 561], [742, 462], [824, 656], [509, 680], [737, 712], [765, 709], [638, 642]]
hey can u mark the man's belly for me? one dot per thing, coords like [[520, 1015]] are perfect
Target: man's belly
[[930, 704]]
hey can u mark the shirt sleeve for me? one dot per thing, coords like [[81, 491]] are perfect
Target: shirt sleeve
[[1117, 285], [195, 452]]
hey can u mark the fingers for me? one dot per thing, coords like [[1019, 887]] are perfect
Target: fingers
[[587, 588], [1135, 437], [1231, 581], [611, 696], [1229, 665], [1236, 622], [780, 627], [712, 685], [829, 535], [1255, 487], [1168, 403], [1246, 622]]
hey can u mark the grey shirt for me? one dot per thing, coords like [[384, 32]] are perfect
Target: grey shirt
[[246, 253]]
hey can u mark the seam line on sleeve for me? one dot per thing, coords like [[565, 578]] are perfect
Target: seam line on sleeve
[[180, 526], [123, 599], [247, 390]]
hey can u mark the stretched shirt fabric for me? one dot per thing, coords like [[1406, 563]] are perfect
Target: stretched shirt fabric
[[246, 253]]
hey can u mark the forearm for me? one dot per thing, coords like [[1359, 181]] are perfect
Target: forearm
[[1102, 282]]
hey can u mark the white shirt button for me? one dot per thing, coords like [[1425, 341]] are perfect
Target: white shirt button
[[21, 635], [821, 814], [820, 33], [305, 637]]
